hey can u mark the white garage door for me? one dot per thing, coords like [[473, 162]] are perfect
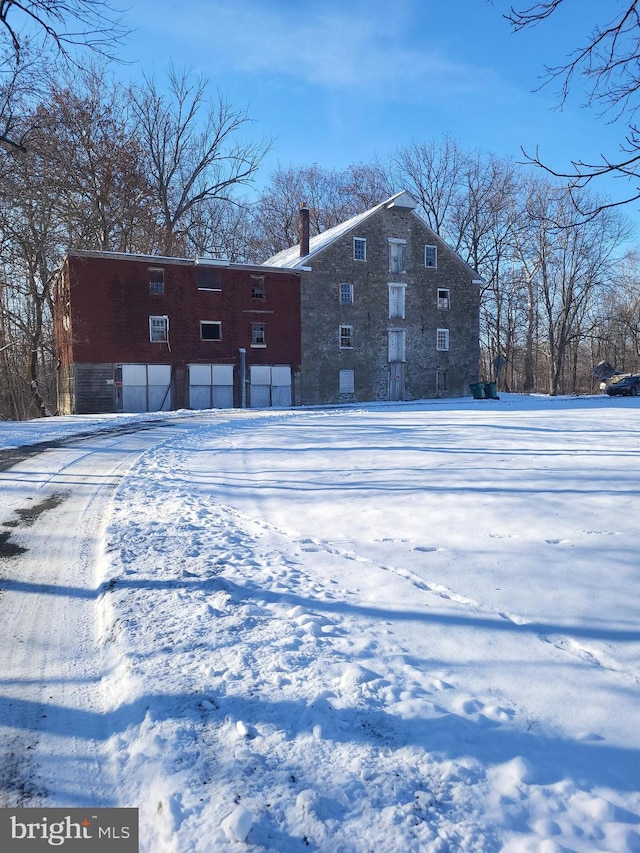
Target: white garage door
[[146, 387], [270, 386], [211, 386]]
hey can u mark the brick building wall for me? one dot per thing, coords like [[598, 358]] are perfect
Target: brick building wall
[[104, 305]]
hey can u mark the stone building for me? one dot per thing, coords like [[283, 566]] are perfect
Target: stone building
[[388, 310]]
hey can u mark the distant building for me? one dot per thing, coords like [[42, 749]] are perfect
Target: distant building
[[139, 333], [389, 310]]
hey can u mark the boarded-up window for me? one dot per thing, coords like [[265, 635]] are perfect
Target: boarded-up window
[[396, 345], [397, 251], [396, 300], [347, 382]]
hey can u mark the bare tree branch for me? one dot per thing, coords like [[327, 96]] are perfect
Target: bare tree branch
[[609, 62], [193, 147], [95, 24]]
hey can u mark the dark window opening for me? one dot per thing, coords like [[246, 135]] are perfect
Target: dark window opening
[[156, 280], [257, 287], [210, 330], [208, 279]]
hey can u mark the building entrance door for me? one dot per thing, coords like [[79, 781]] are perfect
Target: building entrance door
[[396, 380]]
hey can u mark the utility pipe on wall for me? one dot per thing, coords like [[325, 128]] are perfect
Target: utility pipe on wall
[[243, 378]]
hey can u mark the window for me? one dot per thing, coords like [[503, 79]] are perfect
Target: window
[[346, 339], [210, 330], [258, 335], [442, 339], [359, 249], [396, 300], [208, 278], [431, 256], [257, 287], [347, 382], [444, 298], [159, 329], [156, 280], [442, 383], [397, 251], [346, 294], [396, 345]]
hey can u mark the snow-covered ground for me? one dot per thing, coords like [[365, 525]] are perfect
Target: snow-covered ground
[[403, 627]]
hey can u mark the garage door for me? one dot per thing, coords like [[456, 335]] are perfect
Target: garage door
[[211, 386], [270, 386], [146, 387]]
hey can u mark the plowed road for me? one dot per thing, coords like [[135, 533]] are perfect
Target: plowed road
[[53, 507]]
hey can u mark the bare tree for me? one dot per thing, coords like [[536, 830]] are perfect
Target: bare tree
[[194, 150], [433, 172], [63, 24], [33, 33], [567, 268], [367, 184], [277, 209], [331, 195], [31, 242], [616, 335], [608, 62], [89, 137], [22, 82], [483, 217], [220, 230], [79, 181]]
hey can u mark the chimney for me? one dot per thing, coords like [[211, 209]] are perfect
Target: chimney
[[304, 229]]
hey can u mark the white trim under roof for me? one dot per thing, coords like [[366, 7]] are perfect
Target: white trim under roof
[[402, 199], [212, 262]]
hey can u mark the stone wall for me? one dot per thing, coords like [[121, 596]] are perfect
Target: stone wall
[[323, 314]]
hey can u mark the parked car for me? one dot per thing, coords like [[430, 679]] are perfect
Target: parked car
[[625, 386]]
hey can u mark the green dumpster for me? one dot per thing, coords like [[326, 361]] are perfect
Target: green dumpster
[[477, 389], [490, 391]]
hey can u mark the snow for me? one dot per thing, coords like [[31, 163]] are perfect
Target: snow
[[14, 434], [398, 627], [291, 257]]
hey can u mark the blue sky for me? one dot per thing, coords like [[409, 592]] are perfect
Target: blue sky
[[343, 81]]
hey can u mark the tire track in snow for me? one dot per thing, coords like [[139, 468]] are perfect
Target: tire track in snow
[[52, 725]]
